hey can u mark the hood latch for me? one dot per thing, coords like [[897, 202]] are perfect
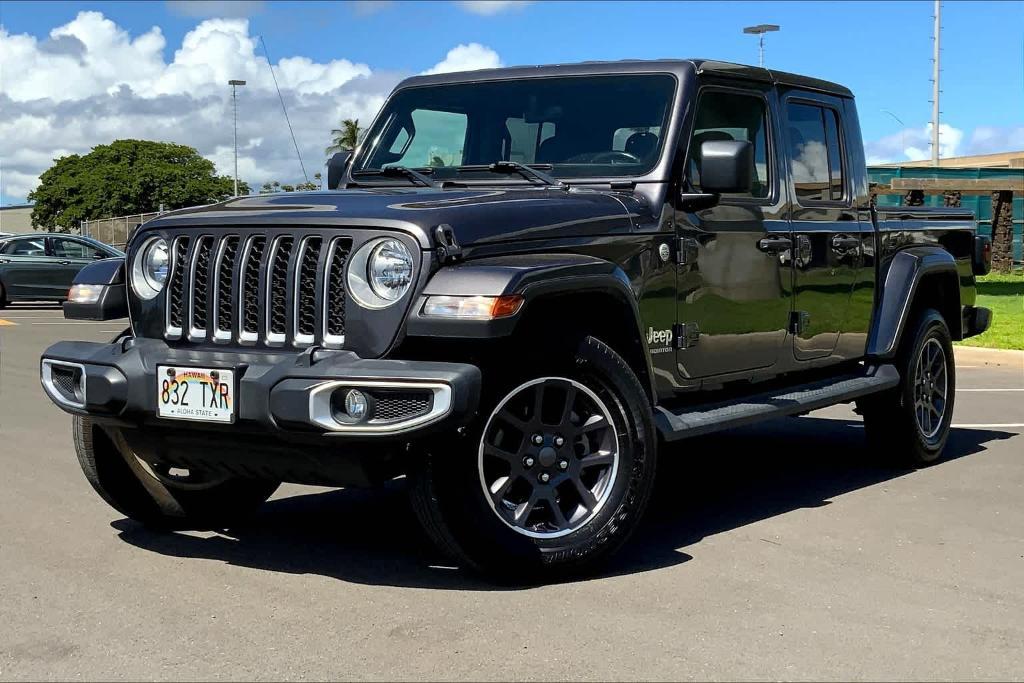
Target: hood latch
[[448, 249]]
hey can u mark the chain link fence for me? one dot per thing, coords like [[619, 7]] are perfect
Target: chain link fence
[[115, 231]]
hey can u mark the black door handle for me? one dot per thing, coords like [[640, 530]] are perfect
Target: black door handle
[[65, 263], [5, 260], [772, 245]]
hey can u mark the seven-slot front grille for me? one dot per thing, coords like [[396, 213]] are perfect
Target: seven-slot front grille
[[257, 289]]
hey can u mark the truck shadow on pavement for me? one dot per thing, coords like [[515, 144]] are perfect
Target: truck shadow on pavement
[[705, 486]]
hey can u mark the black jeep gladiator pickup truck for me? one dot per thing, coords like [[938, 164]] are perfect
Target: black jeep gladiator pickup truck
[[519, 292]]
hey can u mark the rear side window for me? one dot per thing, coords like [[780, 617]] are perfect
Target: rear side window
[[732, 116], [816, 161]]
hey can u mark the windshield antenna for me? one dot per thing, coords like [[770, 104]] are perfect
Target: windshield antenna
[[284, 108]]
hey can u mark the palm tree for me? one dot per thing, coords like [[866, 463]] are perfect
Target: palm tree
[[345, 138]]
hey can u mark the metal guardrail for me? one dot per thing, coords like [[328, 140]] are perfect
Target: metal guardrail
[[115, 231]]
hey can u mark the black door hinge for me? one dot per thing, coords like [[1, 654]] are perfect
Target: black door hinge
[[686, 251], [799, 321], [448, 249], [685, 335]]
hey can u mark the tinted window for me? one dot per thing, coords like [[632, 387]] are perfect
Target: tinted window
[[732, 116], [816, 162], [589, 126], [32, 246], [65, 248]]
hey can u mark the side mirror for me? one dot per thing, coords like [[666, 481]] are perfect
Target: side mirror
[[99, 292], [726, 166], [336, 168]]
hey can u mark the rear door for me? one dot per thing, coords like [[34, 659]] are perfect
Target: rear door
[[24, 267], [733, 289], [827, 233]]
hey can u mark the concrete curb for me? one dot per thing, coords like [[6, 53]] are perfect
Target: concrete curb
[[976, 355]]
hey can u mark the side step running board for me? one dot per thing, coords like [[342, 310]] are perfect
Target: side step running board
[[696, 420]]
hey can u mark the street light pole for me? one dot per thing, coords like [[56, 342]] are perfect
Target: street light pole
[[760, 30], [234, 106]]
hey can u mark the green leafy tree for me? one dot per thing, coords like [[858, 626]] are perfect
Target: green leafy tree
[[344, 138], [125, 177]]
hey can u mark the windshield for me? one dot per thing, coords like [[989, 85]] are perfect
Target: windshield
[[572, 127]]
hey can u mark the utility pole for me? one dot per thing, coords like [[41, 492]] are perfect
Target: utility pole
[[935, 84], [234, 106], [760, 30]]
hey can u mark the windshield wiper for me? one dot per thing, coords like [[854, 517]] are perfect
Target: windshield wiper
[[397, 172], [529, 172]]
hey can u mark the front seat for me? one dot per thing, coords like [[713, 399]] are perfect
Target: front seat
[[554, 150]]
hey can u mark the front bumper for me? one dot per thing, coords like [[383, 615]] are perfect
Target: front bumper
[[284, 393]]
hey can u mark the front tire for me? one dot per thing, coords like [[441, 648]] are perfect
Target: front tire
[[911, 423], [552, 479], [157, 496]]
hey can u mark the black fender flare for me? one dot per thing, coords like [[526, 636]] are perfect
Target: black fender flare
[[530, 275], [900, 284]]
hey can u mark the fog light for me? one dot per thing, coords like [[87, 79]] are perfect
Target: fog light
[[355, 404]]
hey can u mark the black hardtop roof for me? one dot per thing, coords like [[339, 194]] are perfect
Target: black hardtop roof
[[677, 66]]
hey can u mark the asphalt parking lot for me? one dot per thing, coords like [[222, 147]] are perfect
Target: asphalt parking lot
[[778, 551]]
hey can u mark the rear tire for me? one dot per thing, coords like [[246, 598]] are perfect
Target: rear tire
[[532, 493], [3, 296], [153, 496], [910, 424]]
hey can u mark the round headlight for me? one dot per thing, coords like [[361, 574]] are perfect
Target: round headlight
[[389, 270], [149, 270], [380, 273]]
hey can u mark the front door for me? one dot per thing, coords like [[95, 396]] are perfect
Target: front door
[[733, 296], [827, 239], [71, 256]]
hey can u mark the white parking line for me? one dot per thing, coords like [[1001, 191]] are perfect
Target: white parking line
[[959, 390], [983, 425]]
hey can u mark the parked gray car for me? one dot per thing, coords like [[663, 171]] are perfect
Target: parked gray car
[[40, 267]]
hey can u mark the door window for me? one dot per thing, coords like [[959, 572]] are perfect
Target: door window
[[732, 116], [815, 154], [31, 246], [65, 248]]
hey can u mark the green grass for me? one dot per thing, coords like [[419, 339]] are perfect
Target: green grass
[[1004, 295]]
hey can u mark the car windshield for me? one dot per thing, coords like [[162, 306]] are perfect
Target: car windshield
[[571, 127]]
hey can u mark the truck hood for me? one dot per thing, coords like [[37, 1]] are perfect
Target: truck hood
[[478, 216]]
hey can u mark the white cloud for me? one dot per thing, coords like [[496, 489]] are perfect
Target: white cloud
[[91, 82], [466, 58], [914, 144], [490, 7]]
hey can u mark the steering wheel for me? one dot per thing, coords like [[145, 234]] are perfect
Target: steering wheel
[[609, 157]]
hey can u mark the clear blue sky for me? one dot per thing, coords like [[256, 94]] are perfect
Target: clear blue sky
[[881, 50]]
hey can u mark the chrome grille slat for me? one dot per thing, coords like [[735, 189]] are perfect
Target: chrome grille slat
[[305, 291], [176, 288], [335, 294], [249, 296], [278, 265], [199, 286], [257, 289], [223, 303]]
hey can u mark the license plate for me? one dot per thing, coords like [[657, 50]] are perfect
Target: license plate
[[199, 394]]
